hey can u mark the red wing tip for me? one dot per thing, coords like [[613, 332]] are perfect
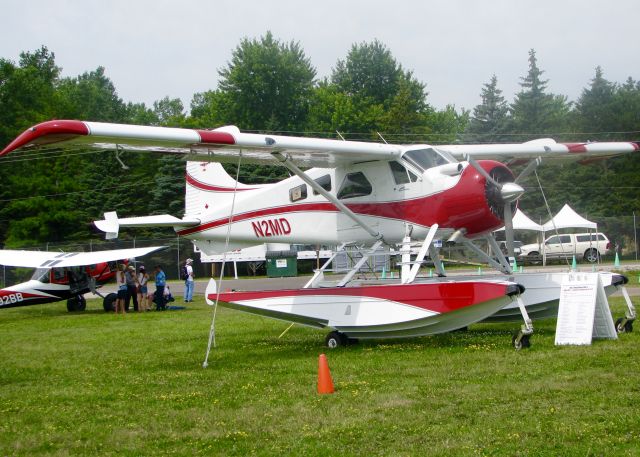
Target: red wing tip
[[46, 132]]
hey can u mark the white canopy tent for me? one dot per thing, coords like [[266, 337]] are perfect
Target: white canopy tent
[[522, 222], [568, 218]]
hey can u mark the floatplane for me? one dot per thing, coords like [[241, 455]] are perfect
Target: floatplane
[[344, 191]]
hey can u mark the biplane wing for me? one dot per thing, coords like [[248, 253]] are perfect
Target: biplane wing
[[225, 144], [52, 259]]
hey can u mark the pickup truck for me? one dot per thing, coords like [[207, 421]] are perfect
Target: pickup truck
[[587, 246]]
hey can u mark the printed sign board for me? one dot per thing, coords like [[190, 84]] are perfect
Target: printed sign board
[[281, 263], [583, 313]]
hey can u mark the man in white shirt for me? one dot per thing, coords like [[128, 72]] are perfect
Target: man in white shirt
[[188, 281]]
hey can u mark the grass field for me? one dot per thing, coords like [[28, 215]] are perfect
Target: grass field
[[98, 384]]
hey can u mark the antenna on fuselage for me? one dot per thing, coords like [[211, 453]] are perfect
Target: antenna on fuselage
[[340, 135], [385, 141]]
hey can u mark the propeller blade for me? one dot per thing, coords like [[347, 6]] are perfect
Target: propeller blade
[[532, 165], [482, 171]]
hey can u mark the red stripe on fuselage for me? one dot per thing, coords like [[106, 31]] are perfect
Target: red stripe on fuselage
[[204, 186], [436, 297], [464, 205]]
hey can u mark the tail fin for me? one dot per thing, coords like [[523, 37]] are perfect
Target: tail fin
[[208, 184]]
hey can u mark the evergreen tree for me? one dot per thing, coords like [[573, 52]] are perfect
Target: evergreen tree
[[594, 109], [534, 111], [490, 118]]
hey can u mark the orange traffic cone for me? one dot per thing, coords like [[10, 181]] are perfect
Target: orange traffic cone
[[325, 383]]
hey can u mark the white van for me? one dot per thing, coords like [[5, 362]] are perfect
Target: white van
[[588, 246]]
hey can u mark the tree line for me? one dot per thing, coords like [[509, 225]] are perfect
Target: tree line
[[271, 85]]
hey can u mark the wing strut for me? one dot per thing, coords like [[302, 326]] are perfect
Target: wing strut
[[286, 161]]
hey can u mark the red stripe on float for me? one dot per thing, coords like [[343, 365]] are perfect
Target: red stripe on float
[[46, 133], [439, 297]]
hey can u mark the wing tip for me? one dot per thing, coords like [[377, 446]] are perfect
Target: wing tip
[[47, 132]]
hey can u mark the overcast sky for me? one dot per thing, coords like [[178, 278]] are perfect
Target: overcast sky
[[155, 48]]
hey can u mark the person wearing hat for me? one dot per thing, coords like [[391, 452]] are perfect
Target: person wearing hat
[[143, 279], [188, 280], [132, 290]]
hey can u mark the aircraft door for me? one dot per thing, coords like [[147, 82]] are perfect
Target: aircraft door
[[357, 189]]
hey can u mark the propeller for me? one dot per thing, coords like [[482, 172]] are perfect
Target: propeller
[[502, 194]]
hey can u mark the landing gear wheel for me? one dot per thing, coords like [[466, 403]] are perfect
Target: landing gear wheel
[[77, 303], [523, 343], [336, 339], [108, 303], [624, 325]]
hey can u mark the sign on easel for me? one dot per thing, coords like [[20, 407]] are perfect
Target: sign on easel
[[583, 313]]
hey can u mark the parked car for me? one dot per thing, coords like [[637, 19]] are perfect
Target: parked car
[[588, 246], [516, 247]]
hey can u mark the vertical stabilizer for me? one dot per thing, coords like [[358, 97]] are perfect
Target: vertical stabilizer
[[209, 186]]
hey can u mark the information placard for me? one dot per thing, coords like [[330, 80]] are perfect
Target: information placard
[[583, 313]]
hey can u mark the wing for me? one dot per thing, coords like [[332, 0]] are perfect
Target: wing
[[39, 259], [220, 145], [546, 148], [227, 143]]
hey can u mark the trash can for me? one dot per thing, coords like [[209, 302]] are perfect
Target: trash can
[[281, 263]]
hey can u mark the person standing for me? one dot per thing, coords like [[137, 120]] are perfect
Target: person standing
[[188, 281], [132, 290], [161, 281], [121, 282], [143, 279]]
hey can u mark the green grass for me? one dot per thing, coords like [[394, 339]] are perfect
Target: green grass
[[92, 383]]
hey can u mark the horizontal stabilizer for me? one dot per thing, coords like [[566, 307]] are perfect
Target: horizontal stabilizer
[[111, 223]]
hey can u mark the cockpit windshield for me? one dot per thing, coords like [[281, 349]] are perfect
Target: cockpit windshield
[[41, 274], [428, 158]]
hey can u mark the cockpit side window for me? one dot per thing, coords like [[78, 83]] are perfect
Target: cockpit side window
[[324, 182], [355, 185], [426, 158], [42, 275], [400, 174]]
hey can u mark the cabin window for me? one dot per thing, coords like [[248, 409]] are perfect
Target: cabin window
[[298, 193], [355, 185], [400, 174], [59, 275], [324, 182], [427, 158]]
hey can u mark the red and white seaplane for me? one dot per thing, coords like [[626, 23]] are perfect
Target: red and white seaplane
[[64, 276], [364, 193]]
